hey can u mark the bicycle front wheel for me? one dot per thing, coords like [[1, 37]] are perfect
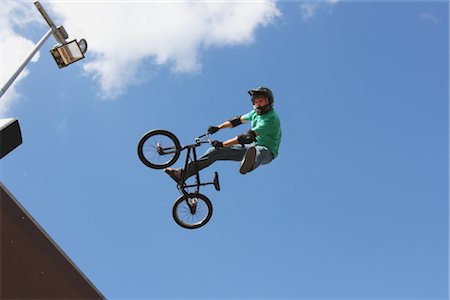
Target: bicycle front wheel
[[192, 211], [159, 149]]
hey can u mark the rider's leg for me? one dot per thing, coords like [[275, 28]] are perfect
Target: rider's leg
[[254, 157], [263, 156], [212, 154]]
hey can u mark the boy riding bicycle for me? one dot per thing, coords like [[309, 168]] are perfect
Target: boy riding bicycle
[[258, 146]]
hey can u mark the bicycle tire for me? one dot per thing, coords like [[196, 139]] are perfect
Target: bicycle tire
[[184, 217], [148, 151]]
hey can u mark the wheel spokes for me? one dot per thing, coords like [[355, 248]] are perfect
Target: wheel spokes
[[191, 216], [159, 149]]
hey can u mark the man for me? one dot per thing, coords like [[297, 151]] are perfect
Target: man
[[258, 146]]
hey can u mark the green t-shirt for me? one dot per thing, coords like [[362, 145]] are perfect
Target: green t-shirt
[[268, 129]]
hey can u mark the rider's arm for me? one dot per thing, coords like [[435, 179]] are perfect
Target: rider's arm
[[233, 122], [235, 140], [231, 142]]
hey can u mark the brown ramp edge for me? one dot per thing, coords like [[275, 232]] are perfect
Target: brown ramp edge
[[32, 264]]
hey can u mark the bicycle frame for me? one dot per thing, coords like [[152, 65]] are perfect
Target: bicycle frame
[[192, 149]]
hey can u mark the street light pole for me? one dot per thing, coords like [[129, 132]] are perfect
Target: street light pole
[[27, 60], [59, 33], [64, 53]]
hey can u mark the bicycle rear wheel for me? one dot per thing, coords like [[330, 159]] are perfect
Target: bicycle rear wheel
[[159, 149], [193, 211]]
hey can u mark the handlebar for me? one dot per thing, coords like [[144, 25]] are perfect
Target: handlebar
[[199, 140]]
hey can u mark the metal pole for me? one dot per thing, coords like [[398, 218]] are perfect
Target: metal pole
[[36, 48], [56, 32]]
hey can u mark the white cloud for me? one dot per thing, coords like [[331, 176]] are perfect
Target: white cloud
[[14, 48], [309, 10], [428, 17], [123, 35]]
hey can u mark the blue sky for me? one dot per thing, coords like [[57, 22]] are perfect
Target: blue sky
[[356, 204]]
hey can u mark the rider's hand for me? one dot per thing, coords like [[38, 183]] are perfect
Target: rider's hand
[[216, 144], [213, 129]]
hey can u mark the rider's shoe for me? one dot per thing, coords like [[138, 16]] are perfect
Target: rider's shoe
[[174, 173], [248, 160]]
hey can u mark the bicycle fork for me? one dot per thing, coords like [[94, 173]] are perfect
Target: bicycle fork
[[191, 202]]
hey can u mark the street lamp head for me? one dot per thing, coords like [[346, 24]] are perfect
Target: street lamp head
[[69, 52], [65, 52]]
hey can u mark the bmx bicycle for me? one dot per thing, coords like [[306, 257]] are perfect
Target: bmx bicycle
[[159, 149]]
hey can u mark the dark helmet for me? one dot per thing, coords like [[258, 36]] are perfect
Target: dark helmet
[[262, 91]]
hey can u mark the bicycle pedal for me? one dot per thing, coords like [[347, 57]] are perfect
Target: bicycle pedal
[[216, 181]]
